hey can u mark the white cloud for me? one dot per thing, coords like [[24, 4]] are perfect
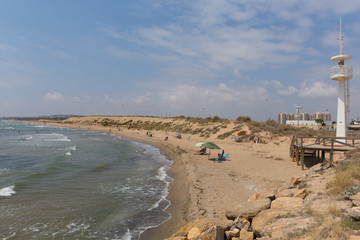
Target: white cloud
[[54, 96], [317, 90], [288, 91]]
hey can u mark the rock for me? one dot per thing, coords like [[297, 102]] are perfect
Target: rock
[[194, 232], [323, 205], [269, 193], [354, 213], [287, 192], [213, 233], [232, 233], [316, 168], [356, 197], [245, 235], [176, 238], [295, 180], [180, 234], [248, 209], [301, 185], [301, 193], [286, 202], [356, 203], [282, 228], [269, 216], [242, 223], [193, 229]]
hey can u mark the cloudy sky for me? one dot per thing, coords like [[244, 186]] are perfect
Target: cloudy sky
[[198, 58]]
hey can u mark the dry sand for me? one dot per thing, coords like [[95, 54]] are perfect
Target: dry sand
[[204, 188]]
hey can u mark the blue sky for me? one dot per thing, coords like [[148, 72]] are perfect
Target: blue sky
[[234, 58]]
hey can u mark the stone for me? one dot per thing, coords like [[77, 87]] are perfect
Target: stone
[[282, 228], [202, 224], [286, 192], [316, 168], [242, 223], [354, 213], [287, 202], [194, 232], [176, 238], [269, 216], [245, 235], [295, 180], [269, 193], [356, 197], [213, 233], [323, 205], [232, 233], [301, 193], [356, 203], [248, 210]]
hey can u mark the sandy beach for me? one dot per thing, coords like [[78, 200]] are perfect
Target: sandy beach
[[202, 187]]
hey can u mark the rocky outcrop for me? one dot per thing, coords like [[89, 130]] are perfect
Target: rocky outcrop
[[279, 214], [248, 209]]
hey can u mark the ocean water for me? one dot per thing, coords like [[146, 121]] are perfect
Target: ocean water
[[61, 183]]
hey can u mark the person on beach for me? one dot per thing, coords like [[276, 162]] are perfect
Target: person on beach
[[166, 138]]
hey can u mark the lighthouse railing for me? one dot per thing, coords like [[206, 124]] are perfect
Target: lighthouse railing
[[341, 71]]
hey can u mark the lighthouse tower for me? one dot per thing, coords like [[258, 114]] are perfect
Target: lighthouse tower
[[342, 73]]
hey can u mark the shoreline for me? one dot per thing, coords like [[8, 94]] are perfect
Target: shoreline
[[180, 199], [202, 187]]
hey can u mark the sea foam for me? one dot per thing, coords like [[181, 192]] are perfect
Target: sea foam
[[7, 191]]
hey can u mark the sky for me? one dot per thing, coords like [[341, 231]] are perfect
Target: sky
[[225, 58]]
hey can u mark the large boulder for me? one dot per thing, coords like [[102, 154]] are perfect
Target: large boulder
[[354, 213], [248, 210], [323, 205], [267, 217], [302, 193], [242, 223], [286, 192], [287, 202], [296, 180], [356, 199], [283, 228], [176, 238], [245, 235], [193, 229], [213, 233], [269, 193]]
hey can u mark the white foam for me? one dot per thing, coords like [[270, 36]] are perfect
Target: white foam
[[10, 128], [127, 236], [28, 137], [7, 191], [73, 148], [68, 153], [56, 137], [161, 174]]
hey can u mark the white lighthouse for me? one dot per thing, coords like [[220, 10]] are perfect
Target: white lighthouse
[[342, 73]]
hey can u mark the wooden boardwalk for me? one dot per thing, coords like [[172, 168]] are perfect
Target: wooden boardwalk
[[319, 146]]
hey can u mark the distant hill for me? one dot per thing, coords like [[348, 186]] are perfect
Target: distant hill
[[51, 117]]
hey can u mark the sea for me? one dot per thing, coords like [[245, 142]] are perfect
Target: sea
[[63, 183]]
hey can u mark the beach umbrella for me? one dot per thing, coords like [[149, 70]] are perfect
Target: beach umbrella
[[199, 144], [210, 145]]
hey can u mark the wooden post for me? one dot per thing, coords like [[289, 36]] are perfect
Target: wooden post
[[302, 153], [332, 152], [302, 159]]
